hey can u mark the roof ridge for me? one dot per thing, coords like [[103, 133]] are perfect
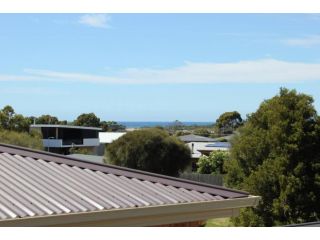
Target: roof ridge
[[128, 172]]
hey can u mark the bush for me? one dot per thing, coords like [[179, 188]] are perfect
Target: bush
[[151, 150], [202, 132], [32, 140], [214, 163]]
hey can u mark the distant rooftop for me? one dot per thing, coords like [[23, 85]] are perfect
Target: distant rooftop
[[63, 126], [195, 138]]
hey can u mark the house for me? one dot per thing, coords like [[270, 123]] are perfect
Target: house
[[206, 149], [61, 138], [40, 188]]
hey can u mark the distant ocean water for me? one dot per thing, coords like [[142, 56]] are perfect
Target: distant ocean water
[[162, 124]]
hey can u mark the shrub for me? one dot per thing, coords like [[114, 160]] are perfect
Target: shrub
[[151, 150]]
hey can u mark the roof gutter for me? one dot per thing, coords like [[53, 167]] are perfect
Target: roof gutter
[[142, 216]]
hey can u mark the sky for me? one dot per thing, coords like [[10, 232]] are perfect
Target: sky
[[155, 67]]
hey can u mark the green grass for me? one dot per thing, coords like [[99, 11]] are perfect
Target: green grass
[[219, 222]]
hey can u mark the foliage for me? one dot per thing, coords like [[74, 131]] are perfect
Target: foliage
[[87, 120], [22, 139], [214, 163], [202, 132], [276, 156], [47, 119], [175, 126], [219, 222], [111, 126], [151, 150], [228, 121], [182, 133], [81, 150], [9, 120]]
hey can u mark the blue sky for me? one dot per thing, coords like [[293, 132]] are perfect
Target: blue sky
[[155, 67]]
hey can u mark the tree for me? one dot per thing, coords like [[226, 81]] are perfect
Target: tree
[[175, 126], [6, 115], [111, 126], [182, 133], [202, 132], [151, 150], [214, 163], [88, 120], [228, 121], [19, 123], [47, 119], [276, 156]]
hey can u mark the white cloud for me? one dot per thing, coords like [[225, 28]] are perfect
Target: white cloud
[[95, 20], [257, 71], [308, 41]]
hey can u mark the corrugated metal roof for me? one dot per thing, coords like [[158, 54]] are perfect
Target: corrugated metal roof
[[35, 183]]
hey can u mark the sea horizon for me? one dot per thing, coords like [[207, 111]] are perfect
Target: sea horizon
[[140, 124]]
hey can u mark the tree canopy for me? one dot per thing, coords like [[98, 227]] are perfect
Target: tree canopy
[[228, 121], [276, 156], [88, 120], [151, 150], [47, 119]]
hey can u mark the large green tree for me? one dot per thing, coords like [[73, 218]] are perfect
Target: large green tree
[[276, 156], [228, 121], [152, 150], [88, 120]]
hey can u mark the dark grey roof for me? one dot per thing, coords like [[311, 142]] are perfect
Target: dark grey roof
[[63, 126], [195, 138], [36, 183]]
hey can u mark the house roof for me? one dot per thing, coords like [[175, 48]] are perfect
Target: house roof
[[195, 138], [41, 184], [63, 126]]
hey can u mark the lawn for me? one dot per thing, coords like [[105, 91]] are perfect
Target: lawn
[[219, 222]]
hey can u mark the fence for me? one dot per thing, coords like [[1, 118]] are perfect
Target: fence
[[205, 178]]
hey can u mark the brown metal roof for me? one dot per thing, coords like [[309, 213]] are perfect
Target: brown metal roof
[[36, 183]]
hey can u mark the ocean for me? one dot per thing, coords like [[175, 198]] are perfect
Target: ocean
[[162, 124]]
